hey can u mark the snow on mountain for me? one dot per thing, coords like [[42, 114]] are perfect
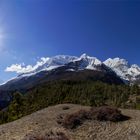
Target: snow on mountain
[[88, 62], [92, 60], [120, 66], [117, 62], [51, 63], [55, 62], [123, 69], [134, 69]]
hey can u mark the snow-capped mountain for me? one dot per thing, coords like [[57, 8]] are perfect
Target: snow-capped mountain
[[85, 62], [129, 73], [123, 68], [120, 66], [56, 61], [50, 63], [88, 62], [56, 67]]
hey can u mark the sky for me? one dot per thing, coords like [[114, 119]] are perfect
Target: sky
[[32, 29]]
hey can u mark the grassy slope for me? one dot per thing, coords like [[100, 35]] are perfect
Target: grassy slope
[[44, 121]]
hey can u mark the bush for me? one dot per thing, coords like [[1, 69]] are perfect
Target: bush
[[104, 113], [72, 121]]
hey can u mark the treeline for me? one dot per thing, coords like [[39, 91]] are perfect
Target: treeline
[[77, 92]]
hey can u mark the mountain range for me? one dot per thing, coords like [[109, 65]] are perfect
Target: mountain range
[[65, 67], [127, 72]]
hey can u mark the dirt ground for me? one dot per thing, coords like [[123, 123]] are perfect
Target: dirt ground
[[45, 121]]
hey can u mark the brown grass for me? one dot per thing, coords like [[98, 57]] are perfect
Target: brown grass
[[48, 136]]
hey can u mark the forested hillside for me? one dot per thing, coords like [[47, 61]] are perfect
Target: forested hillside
[[65, 91]]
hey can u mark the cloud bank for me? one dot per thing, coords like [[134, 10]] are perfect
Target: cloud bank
[[21, 68]]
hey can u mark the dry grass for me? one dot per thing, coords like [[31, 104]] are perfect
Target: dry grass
[[48, 136], [41, 123]]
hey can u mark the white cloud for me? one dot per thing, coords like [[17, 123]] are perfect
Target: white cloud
[[19, 68], [22, 68]]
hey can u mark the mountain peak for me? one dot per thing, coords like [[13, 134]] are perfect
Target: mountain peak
[[123, 69], [116, 62], [84, 55]]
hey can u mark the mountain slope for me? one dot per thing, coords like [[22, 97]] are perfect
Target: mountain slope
[[60, 68], [68, 72], [72, 71]]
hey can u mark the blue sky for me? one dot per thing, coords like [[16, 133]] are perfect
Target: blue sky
[[30, 29]]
